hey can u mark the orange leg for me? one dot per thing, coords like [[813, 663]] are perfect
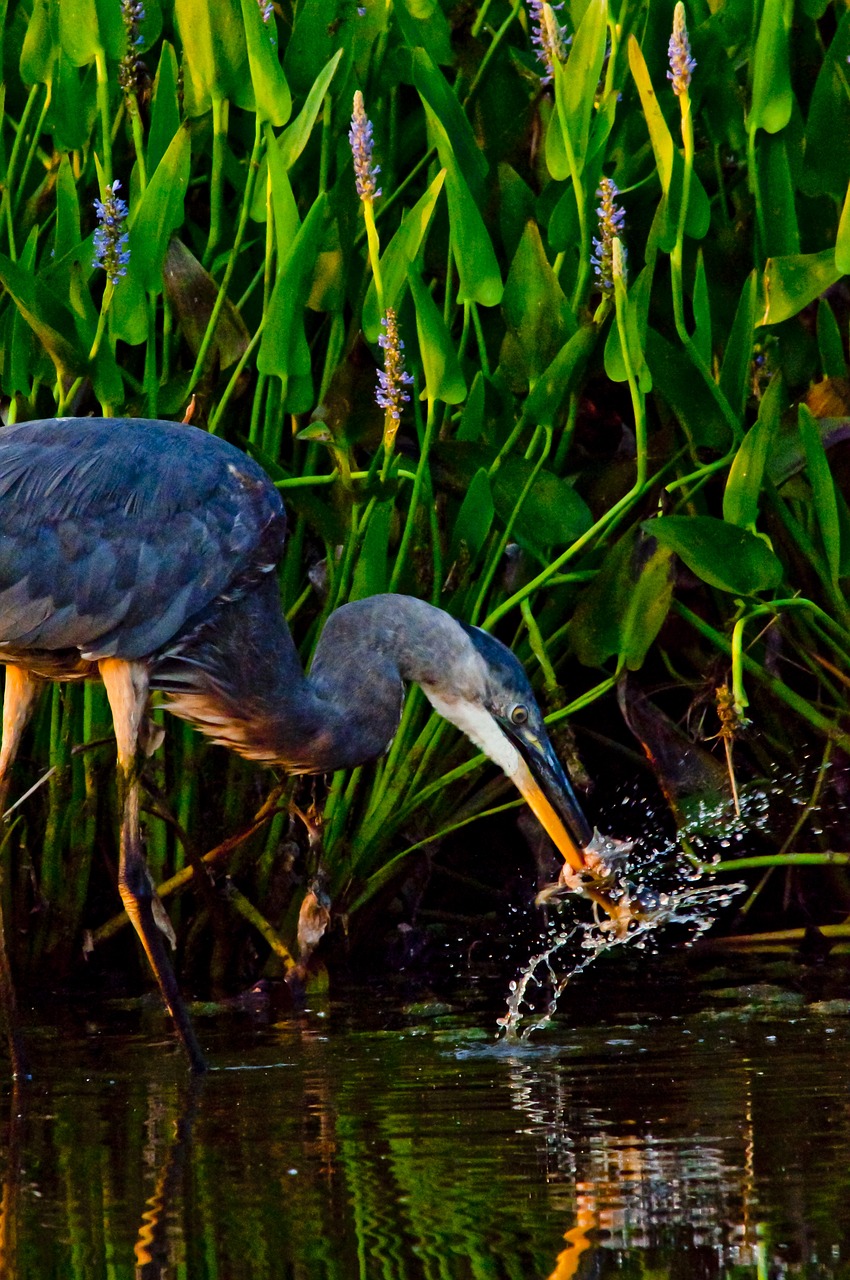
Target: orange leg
[[19, 699], [127, 689]]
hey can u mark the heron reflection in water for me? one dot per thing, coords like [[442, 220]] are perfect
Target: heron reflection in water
[[143, 554]]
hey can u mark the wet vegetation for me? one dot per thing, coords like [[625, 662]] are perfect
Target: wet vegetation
[[535, 313]]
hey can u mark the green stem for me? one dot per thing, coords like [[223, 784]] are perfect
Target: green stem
[[138, 140], [103, 108], [374, 252], [220, 115], [410, 522], [484, 66], [10, 168], [578, 188], [253, 168], [215, 417]]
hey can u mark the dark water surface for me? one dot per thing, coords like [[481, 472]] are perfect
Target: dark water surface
[[390, 1144]]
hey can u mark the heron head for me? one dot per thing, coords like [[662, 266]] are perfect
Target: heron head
[[489, 697]]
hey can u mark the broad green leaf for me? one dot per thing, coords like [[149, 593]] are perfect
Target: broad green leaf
[[638, 306], [371, 575], [73, 106], [444, 379], [702, 312], [842, 240], [677, 381], [480, 280], [471, 427], [215, 55], [782, 234], [623, 609], [295, 137], [165, 110], [160, 212], [576, 83], [39, 51], [555, 151], [671, 166], [313, 41], [744, 483], [830, 345], [562, 376], [271, 92], [67, 235], [398, 256], [473, 523], [286, 219], [78, 31], [823, 489], [49, 319], [721, 554], [434, 89], [538, 316], [552, 514], [735, 370], [283, 347], [773, 97], [792, 283], [424, 25], [826, 167]]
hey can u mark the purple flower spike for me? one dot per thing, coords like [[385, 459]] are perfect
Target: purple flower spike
[[611, 221], [392, 379], [360, 137], [549, 38], [682, 65], [266, 9], [132, 15], [110, 238]]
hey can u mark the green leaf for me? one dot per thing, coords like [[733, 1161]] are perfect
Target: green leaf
[[625, 606], [283, 347], [561, 377], [480, 280], [434, 89], [474, 521], [78, 31], [294, 139], [792, 283], [823, 489], [67, 235], [314, 40], [671, 166], [39, 51], [833, 364], [782, 234], [165, 111], [537, 314], [286, 219], [444, 379], [842, 239], [576, 83], [677, 382], [371, 575], [552, 514], [702, 312], [471, 427], [735, 370], [637, 312], [744, 483], [215, 55], [721, 554], [160, 212], [556, 153], [773, 97], [49, 319], [398, 256], [424, 25], [826, 167], [271, 92]]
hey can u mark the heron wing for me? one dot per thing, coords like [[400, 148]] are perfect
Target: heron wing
[[115, 533]]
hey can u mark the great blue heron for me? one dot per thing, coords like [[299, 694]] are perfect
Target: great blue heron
[[143, 553]]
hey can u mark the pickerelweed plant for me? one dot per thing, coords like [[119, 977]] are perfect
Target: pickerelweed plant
[[621, 473]]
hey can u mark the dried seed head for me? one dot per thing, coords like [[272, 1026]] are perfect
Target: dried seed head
[[392, 379]]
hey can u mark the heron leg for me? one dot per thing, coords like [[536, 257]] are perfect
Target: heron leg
[[127, 690], [19, 698]]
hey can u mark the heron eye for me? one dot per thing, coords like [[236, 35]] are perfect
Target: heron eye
[[519, 714]]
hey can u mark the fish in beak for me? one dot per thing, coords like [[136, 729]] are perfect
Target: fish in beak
[[542, 781]]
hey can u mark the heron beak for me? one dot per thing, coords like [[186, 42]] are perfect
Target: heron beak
[[542, 781]]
